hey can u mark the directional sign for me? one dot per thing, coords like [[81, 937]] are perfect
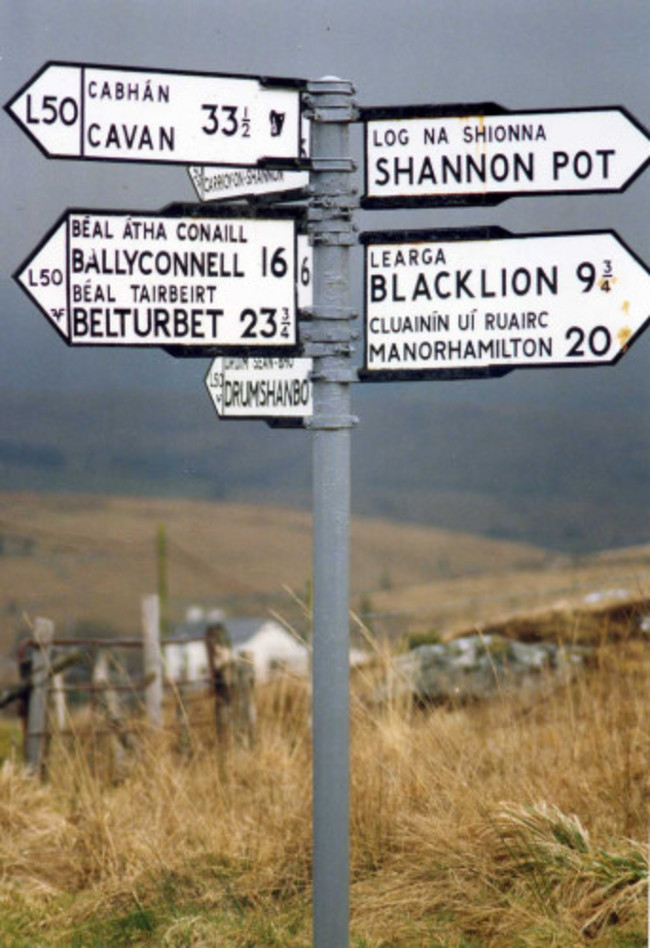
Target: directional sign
[[220, 183], [261, 387], [115, 113], [483, 154], [469, 303], [116, 278]]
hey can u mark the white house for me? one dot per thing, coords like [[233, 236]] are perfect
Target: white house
[[271, 648], [267, 644]]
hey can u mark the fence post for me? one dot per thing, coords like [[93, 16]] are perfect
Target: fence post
[[220, 663], [35, 737], [60, 705], [245, 711], [152, 657]]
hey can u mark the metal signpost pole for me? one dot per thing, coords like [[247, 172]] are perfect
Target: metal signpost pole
[[327, 338]]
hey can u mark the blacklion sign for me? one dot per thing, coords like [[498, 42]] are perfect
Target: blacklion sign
[[484, 301]]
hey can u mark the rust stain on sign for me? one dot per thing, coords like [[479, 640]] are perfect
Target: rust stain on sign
[[624, 335]]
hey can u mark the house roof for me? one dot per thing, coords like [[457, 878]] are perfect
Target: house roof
[[239, 630]]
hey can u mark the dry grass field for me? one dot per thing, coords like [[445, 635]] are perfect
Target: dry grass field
[[89, 559], [512, 823]]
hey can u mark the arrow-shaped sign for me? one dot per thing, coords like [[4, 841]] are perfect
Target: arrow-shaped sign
[[121, 278], [258, 387], [470, 303], [219, 183], [116, 113], [483, 154]]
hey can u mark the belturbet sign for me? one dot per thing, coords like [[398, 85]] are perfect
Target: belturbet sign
[[132, 279]]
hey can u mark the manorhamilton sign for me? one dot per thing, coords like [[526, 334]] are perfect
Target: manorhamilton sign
[[484, 301]]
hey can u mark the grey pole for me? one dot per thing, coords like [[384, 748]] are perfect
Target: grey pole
[[327, 338]]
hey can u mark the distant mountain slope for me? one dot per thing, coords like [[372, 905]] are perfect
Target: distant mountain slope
[[557, 477], [90, 559]]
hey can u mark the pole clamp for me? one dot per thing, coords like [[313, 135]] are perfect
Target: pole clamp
[[310, 314], [331, 422], [333, 165]]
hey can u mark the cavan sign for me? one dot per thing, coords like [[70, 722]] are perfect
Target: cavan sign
[[117, 113]]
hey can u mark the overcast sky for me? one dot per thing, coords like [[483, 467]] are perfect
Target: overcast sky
[[522, 54]]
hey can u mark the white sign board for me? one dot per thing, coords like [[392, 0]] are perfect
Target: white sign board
[[474, 157], [132, 279], [475, 301], [114, 113], [261, 387], [220, 183]]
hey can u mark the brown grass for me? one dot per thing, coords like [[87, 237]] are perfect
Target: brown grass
[[511, 823]]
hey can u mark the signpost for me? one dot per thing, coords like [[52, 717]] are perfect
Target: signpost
[[439, 304], [123, 278], [117, 113], [473, 302], [261, 387], [482, 154]]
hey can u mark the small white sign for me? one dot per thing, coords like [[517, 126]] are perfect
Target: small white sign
[[115, 113], [478, 301], [468, 157], [257, 387], [221, 183], [133, 279]]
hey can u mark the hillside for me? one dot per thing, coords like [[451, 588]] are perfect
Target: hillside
[[561, 585], [90, 559], [553, 475]]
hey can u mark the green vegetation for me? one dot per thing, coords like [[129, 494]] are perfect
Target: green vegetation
[[428, 637], [11, 739]]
